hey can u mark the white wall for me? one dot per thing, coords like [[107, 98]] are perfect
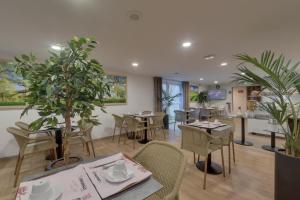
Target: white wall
[[140, 94]]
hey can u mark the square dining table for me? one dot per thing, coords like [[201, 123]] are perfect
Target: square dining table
[[212, 168], [139, 191]]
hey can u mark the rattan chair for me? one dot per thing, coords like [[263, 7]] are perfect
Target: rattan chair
[[167, 164], [182, 118], [228, 137], [157, 125], [202, 143], [134, 126], [29, 145], [24, 126], [85, 136], [146, 112], [119, 124]]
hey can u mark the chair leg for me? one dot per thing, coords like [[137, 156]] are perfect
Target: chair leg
[[233, 152], [88, 148], [114, 133], [229, 159], [194, 157], [120, 135], [54, 153], [18, 170], [223, 166], [134, 140], [93, 149], [205, 172], [17, 164]]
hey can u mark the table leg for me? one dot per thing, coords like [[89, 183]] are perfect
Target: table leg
[[271, 147], [212, 168], [145, 140], [243, 141]]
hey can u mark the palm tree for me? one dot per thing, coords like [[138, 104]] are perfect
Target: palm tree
[[279, 77]]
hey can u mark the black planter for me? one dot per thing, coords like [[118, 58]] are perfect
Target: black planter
[[287, 177], [166, 121], [60, 162]]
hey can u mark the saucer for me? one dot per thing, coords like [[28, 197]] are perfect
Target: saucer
[[109, 176], [57, 192]]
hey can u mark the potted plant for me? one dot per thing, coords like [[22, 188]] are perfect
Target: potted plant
[[201, 98], [167, 101], [280, 78], [68, 85]]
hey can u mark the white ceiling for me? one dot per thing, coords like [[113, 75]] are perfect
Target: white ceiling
[[220, 27]]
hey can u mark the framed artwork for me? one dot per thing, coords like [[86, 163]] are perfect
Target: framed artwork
[[118, 93], [194, 90], [12, 88]]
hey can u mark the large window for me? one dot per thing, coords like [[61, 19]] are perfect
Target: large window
[[173, 88]]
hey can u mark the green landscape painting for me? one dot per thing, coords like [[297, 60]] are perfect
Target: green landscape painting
[[194, 90], [118, 93], [12, 87]]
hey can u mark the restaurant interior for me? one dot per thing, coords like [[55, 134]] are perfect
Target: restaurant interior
[[140, 99]]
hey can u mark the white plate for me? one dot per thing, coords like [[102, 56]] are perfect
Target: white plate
[[109, 177]]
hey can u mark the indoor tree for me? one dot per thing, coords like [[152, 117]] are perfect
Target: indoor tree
[[68, 84], [201, 98], [280, 78]]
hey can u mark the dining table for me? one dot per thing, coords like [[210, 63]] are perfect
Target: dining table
[[212, 167], [138, 191], [146, 120]]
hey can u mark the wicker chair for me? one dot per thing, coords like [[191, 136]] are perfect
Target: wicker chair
[[85, 136], [133, 126], [25, 127], [182, 117], [119, 124], [228, 137], [202, 143], [157, 124], [167, 164], [30, 146]]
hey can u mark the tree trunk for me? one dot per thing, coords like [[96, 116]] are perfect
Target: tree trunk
[[67, 131]]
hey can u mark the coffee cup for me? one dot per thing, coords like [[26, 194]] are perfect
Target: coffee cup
[[119, 169]]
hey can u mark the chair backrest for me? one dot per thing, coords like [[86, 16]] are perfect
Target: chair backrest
[[180, 116], [86, 129], [118, 120], [23, 126], [19, 135], [158, 120], [167, 164], [132, 123], [146, 112], [195, 139]]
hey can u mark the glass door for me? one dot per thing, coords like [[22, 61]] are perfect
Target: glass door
[[173, 88]]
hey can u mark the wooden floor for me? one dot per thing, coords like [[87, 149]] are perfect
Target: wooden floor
[[252, 176]]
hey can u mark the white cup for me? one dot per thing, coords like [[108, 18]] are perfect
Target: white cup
[[41, 190], [119, 169]]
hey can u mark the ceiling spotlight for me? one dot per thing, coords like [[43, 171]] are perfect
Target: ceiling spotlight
[[201, 79], [186, 44], [209, 57], [56, 47], [135, 64], [243, 73], [224, 64], [216, 82]]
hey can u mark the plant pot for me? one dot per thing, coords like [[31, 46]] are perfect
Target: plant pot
[[166, 121], [287, 177], [60, 162]]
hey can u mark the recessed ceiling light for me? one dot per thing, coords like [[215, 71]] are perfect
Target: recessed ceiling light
[[216, 82], [243, 73], [186, 44], [135, 64], [56, 47], [224, 64], [209, 57], [201, 79]]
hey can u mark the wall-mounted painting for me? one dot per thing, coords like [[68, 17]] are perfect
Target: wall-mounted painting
[[194, 90], [118, 93], [12, 87]]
